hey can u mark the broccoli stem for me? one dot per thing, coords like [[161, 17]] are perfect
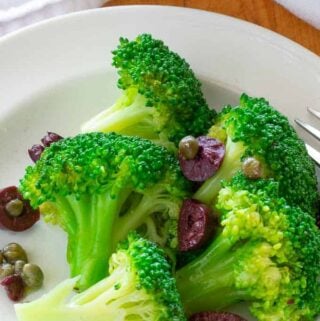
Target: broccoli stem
[[90, 248], [208, 282], [230, 165]]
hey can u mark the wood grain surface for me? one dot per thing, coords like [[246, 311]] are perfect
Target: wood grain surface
[[265, 13]]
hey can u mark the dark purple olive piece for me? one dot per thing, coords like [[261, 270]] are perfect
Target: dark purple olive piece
[[215, 316], [14, 287], [196, 225], [207, 161], [35, 152], [50, 138], [25, 220]]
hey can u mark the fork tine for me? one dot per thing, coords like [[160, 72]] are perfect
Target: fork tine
[[314, 154], [313, 131], [314, 112]]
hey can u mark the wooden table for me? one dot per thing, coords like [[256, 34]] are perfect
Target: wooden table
[[265, 13]]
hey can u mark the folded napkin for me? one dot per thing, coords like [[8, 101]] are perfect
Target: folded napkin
[[308, 10], [15, 14]]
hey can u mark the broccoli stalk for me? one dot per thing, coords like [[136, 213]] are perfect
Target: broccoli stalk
[[255, 129], [267, 254], [162, 99], [98, 187], [139, 287]]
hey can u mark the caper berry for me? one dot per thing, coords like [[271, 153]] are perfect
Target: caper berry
[[189, 147], [14, 252], [32, 275], [252, 168], [14, 207], [6, 269], [18, 266]]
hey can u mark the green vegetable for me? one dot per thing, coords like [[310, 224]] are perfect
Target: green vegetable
[[139, 287], [267, 254], [98, 187], [162, 99], [256, 129]]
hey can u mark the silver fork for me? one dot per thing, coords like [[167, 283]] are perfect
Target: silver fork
[[313, 153]]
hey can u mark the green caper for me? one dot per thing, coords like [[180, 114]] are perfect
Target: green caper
[[189, 147], [32, 276], [252, 168], [14, 207], [18, 266], [6, 269], [1, 257], [14, 252]]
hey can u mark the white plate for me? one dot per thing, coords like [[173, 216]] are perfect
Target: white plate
[[57, 74]]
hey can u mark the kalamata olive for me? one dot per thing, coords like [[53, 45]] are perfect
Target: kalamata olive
[[50, 138], [188, 147], [14, 252], [196, 225], [32, 276], [14, 286], [207, 161], [18, 266], [6, 269], [251, 168], [215, 316], [25, 220], [35, 152], [14, 207]]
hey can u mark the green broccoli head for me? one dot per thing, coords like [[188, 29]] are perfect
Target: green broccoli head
[[254, 128], [139, 287], [162, 99], [267, 254], [98, 187]]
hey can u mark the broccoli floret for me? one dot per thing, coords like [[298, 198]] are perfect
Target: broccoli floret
[[267, 254], [254, 128], [162, 99], [98, 187], [139, 287]]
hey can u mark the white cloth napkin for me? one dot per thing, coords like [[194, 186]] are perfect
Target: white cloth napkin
[[308, 10], [15, 14]]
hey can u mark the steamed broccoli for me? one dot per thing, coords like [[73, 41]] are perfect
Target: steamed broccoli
[[98, 187], [139, 287], [162, 99], [267, 254], [256, 129]]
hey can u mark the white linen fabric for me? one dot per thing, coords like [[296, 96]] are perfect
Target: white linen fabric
[[15, 14], [308, 10]]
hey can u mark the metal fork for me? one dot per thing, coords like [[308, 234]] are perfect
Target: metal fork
[[313, 153]]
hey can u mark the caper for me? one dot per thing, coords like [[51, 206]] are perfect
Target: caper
[[14, 252], [18, 266], [32, 275], [1, 257], [14, 207], [189, 147], [6, 269], [252, 168]]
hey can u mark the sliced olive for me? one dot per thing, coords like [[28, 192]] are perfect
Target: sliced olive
[[35, 152], [6, 269], [14, 207], [188, 147], [215, 316], [252, 168], [27, 218], [32, 276], [14, 252], [14, 287], [50, 138]]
